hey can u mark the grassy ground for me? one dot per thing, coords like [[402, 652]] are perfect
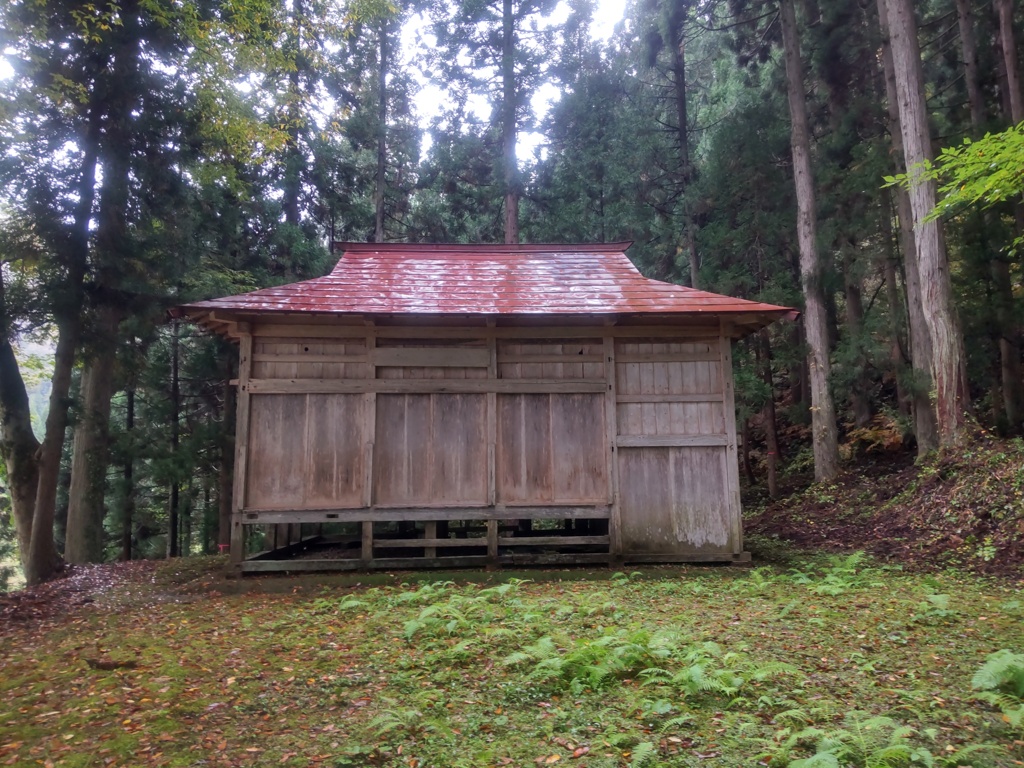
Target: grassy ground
[[669, 667]]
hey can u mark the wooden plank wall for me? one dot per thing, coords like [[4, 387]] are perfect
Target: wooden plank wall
[[673, 441], [631, 423]]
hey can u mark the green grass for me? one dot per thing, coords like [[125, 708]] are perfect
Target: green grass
[[833, 662]]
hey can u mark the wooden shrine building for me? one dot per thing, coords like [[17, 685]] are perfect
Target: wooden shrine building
[[455, 405]]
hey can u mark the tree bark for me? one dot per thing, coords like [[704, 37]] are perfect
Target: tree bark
[[84, 541], [1008, 46], [292, 186], [925, 428], [677, 31], [226, 475], [508, 122], [173, 494], [824, 434], [771, 435], [128, 501], [970, 56], [748, 469], [382, 131], [948, 373], [860, 403], [42, 561], [1009, 331], [898, 353], [19, 441]]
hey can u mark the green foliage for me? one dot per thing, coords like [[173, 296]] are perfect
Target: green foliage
[[1001, 682], [935, 609], [867, 741], [645, 754], [842, 574]]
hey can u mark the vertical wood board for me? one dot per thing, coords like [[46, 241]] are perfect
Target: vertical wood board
[[674, 501]]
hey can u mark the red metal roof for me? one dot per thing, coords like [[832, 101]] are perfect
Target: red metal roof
[[378, 278]]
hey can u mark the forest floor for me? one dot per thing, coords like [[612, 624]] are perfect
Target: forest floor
[[869, 658], [964, 509]]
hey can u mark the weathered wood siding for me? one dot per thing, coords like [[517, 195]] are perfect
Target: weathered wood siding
[[604, 422], [672, 448]]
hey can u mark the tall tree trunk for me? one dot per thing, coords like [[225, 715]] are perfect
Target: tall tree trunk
[[382, 131], [172, 501], [128, 473], [948, 373], [824, 434], [748, 469], [970, 55], [1008, 46], [292, 186], [508, 122], [925, 427], [84, 541], [677, 31], [226, 475], [19, 441], [43, 562], [1009, 330], [897, 353], [859, 400], [771, 434]]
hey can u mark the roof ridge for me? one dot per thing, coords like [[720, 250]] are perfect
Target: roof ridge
[[483, 248]]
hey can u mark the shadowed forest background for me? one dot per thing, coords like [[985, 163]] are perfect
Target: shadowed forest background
[[156, 154]]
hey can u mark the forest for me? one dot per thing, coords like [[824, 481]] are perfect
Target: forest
[[863, 162]]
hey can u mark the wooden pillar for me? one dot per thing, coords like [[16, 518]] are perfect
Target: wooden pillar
[[492, 445], [430, 532], [492, 542], [611, 435], [732, 461], [241, 443], [369, 429]]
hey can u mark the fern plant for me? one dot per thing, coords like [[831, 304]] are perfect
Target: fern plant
[[1001, 682], [398, 720], [866, 741], [708, 669], [594, 664], [644, 754]]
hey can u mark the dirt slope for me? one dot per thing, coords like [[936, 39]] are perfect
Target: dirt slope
[[960, 509]]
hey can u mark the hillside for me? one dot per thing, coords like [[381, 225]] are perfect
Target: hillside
[[963, 509]]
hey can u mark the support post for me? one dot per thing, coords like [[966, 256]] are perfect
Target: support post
[[611, 437], [367, 548], [492, 543], [430, 532], [237, 549], [369, 430], [732, 460]]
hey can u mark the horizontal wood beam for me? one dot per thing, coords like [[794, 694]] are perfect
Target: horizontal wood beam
[[431, 357], [307, 357], [667, 357], [423, 386], [402, 514], [339, 329], [672, 441], [509, 359], [478, 541], [691, 557], [355, 564], [549, 541], [710, 397], [470, 561]]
